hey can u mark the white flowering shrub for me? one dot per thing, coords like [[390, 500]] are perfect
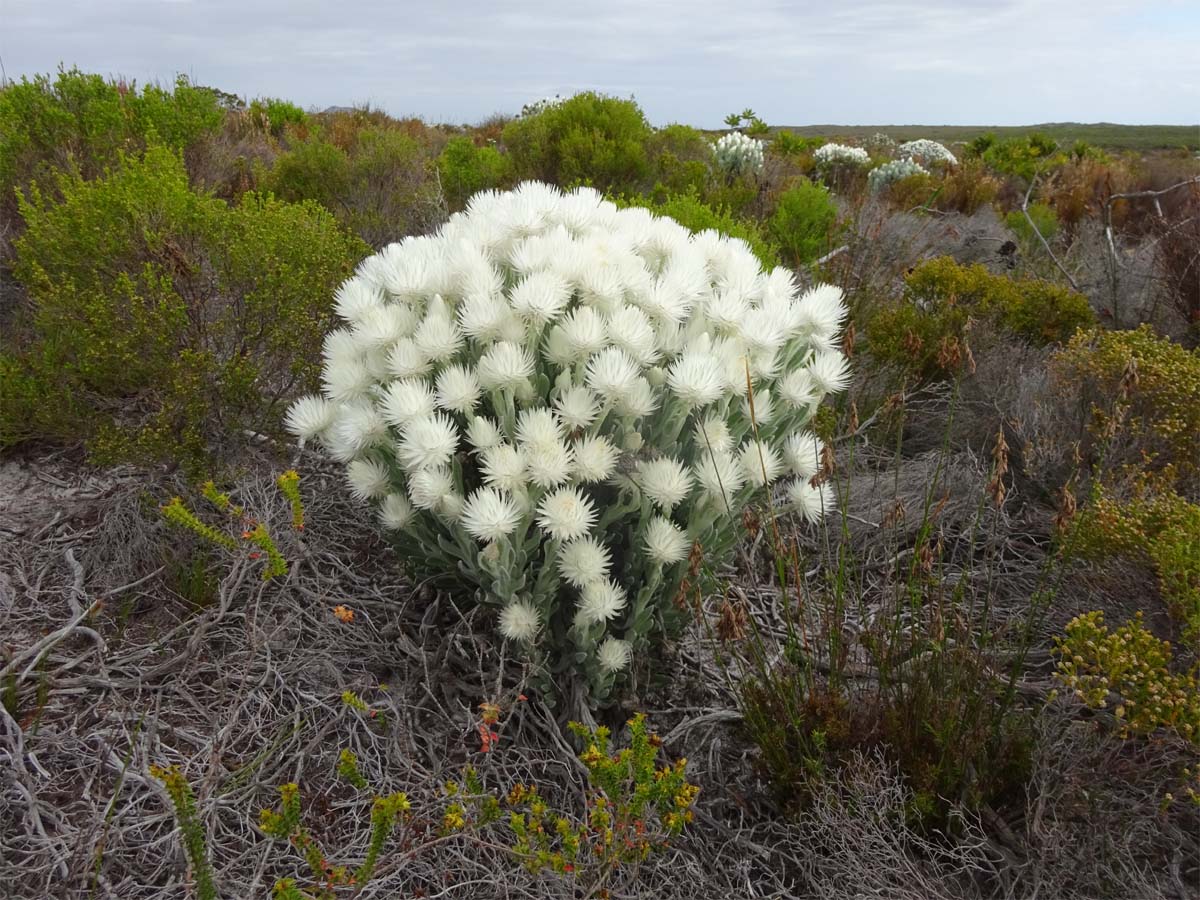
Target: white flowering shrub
[[549, 403], [829, 156], [737, 154], [881, 177], [927, 153]]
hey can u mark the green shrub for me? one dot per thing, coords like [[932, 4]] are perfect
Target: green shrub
[[696, 215], [926, 332], [163, 320], [680, 160], [1044, 219], [803, 223], [590, 139], [1154, 422], [1130, 670], [1023, 156], [466, 169], [86, 122], [381, 189], [1162, 529], [276, 115]]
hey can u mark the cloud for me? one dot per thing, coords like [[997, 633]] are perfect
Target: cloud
[[861, 61]]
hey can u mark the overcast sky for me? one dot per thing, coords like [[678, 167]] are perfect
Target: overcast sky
[[841, 61]]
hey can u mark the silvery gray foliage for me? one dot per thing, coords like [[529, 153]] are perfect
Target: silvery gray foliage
[[737, 154], [549, 402]]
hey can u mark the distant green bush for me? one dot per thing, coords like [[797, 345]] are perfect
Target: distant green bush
[[803, 223], [1044, 218], [466, 169], [680, 161], [588, 139], [381, 188], [85, 122], [164, 322], [276, 115], [696, 215], [1023, 156], [926, 333]]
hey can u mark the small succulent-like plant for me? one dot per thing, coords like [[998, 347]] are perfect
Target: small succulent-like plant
[[830, 156], [882, 177], [563, 407]]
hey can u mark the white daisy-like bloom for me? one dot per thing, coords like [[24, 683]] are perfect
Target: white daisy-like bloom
[[310, 416], [548, 465], [340, 346], [697, 379], [368, 478], [405, 400], [665, 481], [614, 655], [405, 360], [489, 515], [629, 328], [427, 442], [505, 366], [761, 463], [813, 503], [383, 326], [540, 297], [355, 298], [538, 428], [764, 407], [566, 514], [482, 315], [640, 401], [798, 389], [720, 475], [611, 373], [503, 467], [451, 507], [601, 601], [595, 459], [437, 337], [427, 487], [483, 433], [665, 541], [584, 332], [520, 621], [821, 311], [830, 372], [577, 407], [356, 427], [395, 512], [712, 434], [458, 389], [582, 561], [351, 380], [802, 452]]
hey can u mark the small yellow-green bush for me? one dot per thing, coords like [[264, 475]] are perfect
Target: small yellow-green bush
[[926, 331], [85, 122], [589, 139], [1044, 219], [162, 321], [1129, 671], [382, 188], [1156, 417], [466, 169], [1161, 528], [803, 223]]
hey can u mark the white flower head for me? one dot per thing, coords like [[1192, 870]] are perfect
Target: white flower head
[[720, 475], [666, 542], [595, 459], [395, 512], [405, 400], [611, 373], [566, 514], [548, 465], [504, 467], [520, 621], [505, 366], [483, 433], [614, 655], [761, 463], [428, 487], [577, 407], [540, 297], [427, 442], [458, 389], [813, 502], [309, 416], [602, 601], [802, 452], [665, 481], [829, 371], [490, 515], [368, 478], [697, 379], [712, 434], [583, 561]]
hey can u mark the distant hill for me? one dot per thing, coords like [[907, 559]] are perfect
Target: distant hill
[[1102, 134]]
